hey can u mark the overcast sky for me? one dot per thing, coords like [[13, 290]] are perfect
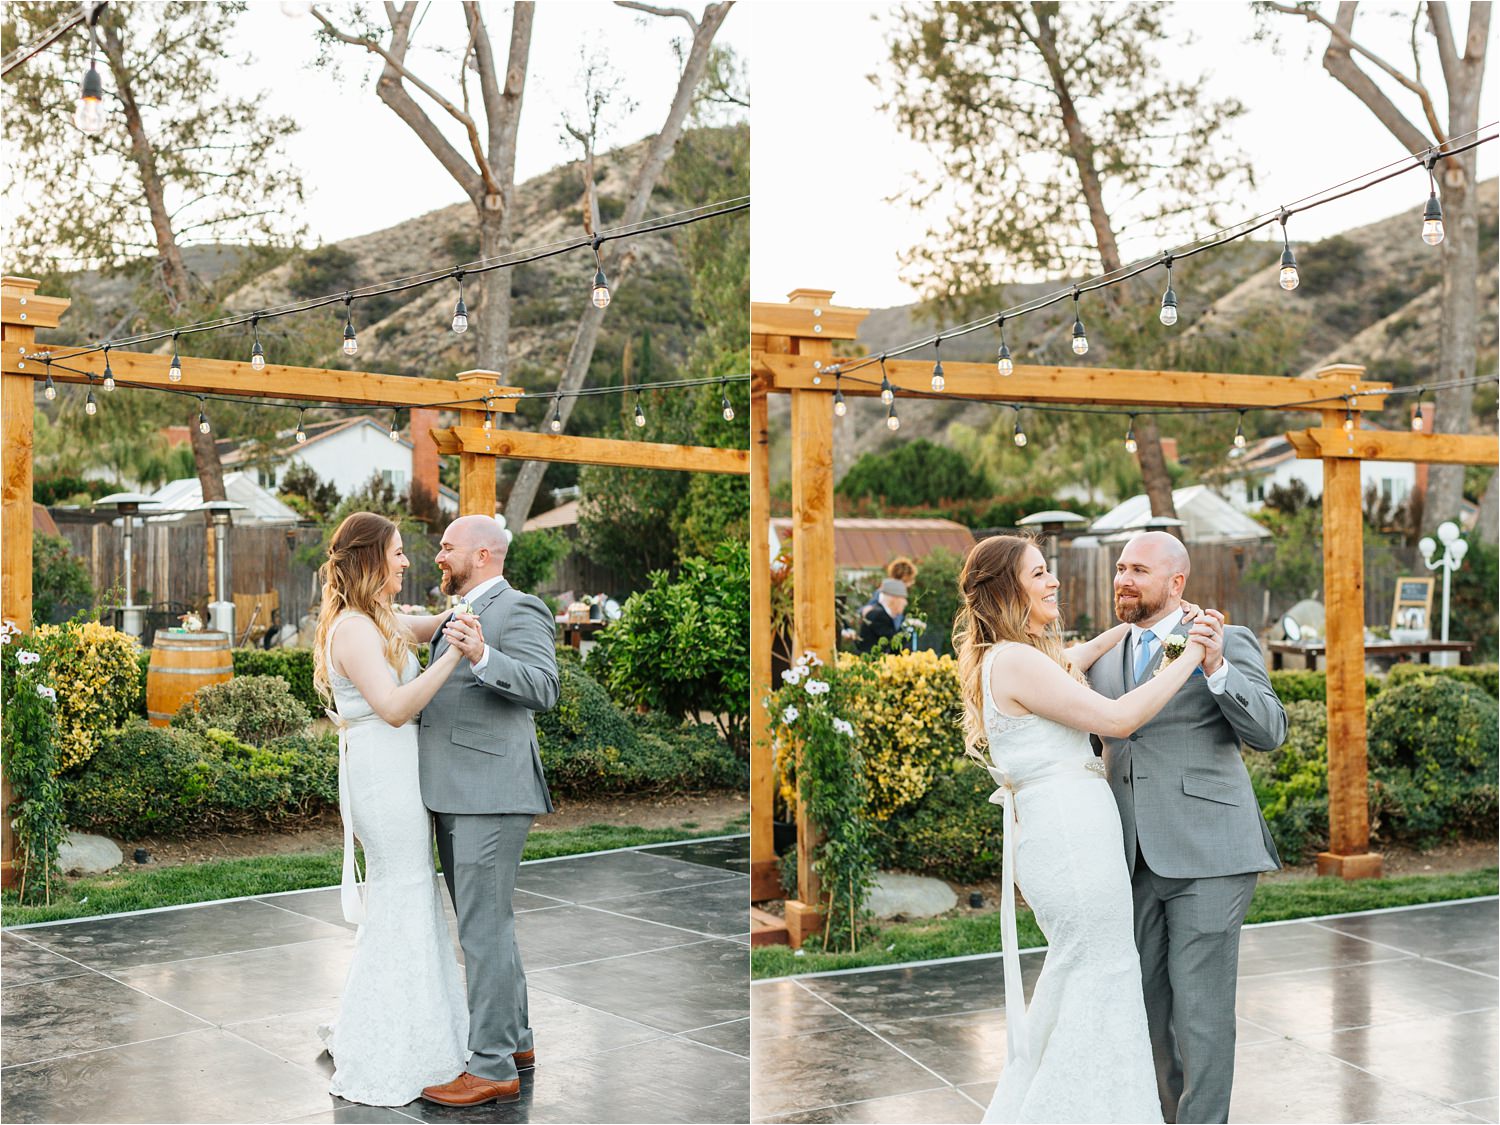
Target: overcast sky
[[815, 112]]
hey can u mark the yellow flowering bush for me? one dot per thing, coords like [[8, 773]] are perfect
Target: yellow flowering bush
[[98, 684]]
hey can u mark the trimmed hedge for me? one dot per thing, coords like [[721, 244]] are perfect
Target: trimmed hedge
[[255, 709], [1299, 684]]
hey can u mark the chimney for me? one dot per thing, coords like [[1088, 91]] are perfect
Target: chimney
[[1169, 448], [424, 465], [176, 435], [1428, 411]]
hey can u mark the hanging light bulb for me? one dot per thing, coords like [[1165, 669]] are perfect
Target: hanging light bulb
[[1432, 217], [351, 345], [892, 423], [90, 406], [49, 392], [460, 310], [1416, 417], [556, 423], [109, 375], [89, 116], [174, 372], [1349, 417], [640, 415], [887, 392], [489, 417], [1169, 298], [938, 382], [1003, 363], [203, 426], [1080, 337], [1288, 276], [1130, 443], [395, 434], [725, 406], [601, 285], [1239, 432], [840, 407], [301, 433], [1018, 435], [257, 353]]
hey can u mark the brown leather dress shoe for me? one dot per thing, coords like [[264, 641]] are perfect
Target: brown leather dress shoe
[[470, 1089], [525, 1060]]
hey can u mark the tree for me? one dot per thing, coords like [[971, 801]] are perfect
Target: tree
[[991, 88], [915, 474], [1457, 175], [178, 163]]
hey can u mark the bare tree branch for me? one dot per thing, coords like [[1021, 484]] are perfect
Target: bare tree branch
[[652, 9], [489, 84]]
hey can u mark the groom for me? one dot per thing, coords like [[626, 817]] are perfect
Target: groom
[[1194, 835], [482, 778]]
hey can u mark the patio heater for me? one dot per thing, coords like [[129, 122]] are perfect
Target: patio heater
[[1051, 524], [126, 505], [1454, 550], [221, 609]]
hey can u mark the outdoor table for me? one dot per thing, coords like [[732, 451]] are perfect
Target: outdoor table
[[1422, 652], [576, 632]]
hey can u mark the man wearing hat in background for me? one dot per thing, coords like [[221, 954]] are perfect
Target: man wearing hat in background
[[880, 621]]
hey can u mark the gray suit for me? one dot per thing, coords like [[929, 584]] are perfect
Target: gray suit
[[482, 778], [1194, 839]]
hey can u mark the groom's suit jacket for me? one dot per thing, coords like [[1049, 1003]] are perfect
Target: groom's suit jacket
[[477, 737], [1184, 794]]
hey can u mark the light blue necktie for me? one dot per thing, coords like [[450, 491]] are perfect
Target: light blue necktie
[[1143, 655]]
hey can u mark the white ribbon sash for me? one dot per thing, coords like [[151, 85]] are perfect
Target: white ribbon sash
[[349, 886]]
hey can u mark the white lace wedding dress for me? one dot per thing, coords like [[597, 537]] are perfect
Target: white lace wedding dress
[[403, 1021], [1080, 1052]]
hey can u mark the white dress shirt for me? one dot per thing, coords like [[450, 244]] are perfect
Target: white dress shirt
[[1162, 629], [471, 597]]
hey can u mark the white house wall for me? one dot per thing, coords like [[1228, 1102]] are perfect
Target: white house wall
[[350, 457], [1396, 478]]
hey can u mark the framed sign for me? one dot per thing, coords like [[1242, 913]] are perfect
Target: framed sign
[[1412, 609]]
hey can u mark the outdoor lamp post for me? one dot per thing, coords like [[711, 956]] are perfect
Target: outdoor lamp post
[[1454, 550], [1051, 524], [126, 505], [221, 610]]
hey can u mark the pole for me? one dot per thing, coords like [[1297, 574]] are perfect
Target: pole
[[1447, 573]]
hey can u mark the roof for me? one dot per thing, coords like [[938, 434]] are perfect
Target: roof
[[178, 498], [564, 515], [1206, 518], [1264, 455], [315, 431], [868, 544]]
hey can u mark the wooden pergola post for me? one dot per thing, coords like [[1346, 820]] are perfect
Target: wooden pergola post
[[765, 875], [476, 471]]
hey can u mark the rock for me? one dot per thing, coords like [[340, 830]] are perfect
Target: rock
[[914, 896], [81, 854]]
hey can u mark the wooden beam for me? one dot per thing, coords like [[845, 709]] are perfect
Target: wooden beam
[[1083, 385], [237, 377], [765, 873], [477, 495], [524, 445], [1378, 445], [815, 319]]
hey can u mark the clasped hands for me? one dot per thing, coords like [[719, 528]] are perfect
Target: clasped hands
[[1207, 632], [463, 633]]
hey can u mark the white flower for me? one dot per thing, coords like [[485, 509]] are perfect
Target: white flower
[[843, 727], [9, 628], [817, 687], [790, 715], [27, 657], [4, 638], [810, 657], [793, 676], [917, 624], [46, 693]]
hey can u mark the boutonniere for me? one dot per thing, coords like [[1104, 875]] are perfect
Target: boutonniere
[[463, 606], [1171, 648]]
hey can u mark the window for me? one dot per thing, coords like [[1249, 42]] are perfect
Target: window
[[393, 477]]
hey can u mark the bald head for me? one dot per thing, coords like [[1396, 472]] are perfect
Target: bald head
[[473, 551], [1150, 577]]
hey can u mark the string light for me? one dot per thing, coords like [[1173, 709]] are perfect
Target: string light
[[1416, 417], [600, 295], [174, 372], [1130, 443], [1432, 217], [1003, 362], [640, 415], [1239, 432], [203, 426], [460, 310], [257, 353], [725, 406], [1288, 276], [49, 392], [489, 414], [887, 392], [109, 375], [556, 423], [1018, 435], [1169, 298], [938, 382], [89, 115], [395, 434], [90, 404], [301, 434], [1080, 337], [351, 345], [1349, 416], [892, 423], [840, 407]]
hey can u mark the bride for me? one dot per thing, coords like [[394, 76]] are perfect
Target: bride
[[1081, 1051], [403, 1020]]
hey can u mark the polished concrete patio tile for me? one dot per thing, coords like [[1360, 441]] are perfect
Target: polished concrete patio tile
[[784, 1007], [1485, 1109], [937, 1106], [1428, 931], [25, 962], [1304, 945], [722, 909], [966, 1047], [205, 1076], [86, 1013], [675, 989], [1486, 961], [350, 1114], [926, 990], [176, 935], [292, 1036], [254, 985], [804, 1073], [614, 875], [1358, 996], [733, 1036], [566, 935], [1448, 1058], [732, 854], [1284, 1081]]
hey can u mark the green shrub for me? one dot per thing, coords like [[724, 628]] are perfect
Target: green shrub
[[1486, 677], [533, 557], [953, 831], [150, 780], [1299, 684], [58, 580], [28, 743], [294, 665], [1291, 782], [915, 473], [255, 709], [95, 671]]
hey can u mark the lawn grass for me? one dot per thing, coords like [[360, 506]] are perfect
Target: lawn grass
[[1273, 902], [144, 888]]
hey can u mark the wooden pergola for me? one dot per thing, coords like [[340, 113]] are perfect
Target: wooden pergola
[[23, 362], [792, 351]]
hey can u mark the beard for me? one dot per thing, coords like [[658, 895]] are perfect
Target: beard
[[453, 581], [1143, 608]]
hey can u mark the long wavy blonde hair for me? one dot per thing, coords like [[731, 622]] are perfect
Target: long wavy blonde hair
[[354, 578], [995, 608]]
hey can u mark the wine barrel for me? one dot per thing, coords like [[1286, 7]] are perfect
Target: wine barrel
[[181, 663]]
